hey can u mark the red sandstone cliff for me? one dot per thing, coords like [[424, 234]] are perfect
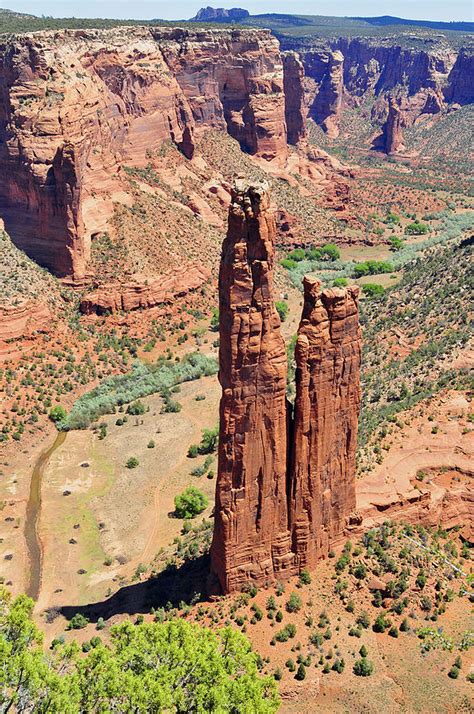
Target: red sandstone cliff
[[432, 74], [392, 130], [275, 480], [251, 537], [328, 354], [295, 108], [327, 104], [76, 105]]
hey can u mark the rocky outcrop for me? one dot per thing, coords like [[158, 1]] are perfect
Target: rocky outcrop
[[295, 108], [77, 105], [20, 323], [328, 354], [220, 14], [460, 88], [109, 299], [326, 108], [251, 536], [392, 130], [432, 73], [284, 493]]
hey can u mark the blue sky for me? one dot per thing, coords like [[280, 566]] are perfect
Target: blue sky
[[147, 9]]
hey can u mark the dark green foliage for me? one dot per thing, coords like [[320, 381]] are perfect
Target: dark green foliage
[[373, 290], [294, 603], [282, 309], [132, 463], [363, 667], [190, 503]]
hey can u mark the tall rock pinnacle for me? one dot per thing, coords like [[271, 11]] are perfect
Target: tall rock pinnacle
[[328, 352], [284, 490], [251, 534]]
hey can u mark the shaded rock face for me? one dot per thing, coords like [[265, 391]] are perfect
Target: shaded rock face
[[295, 108], [328, 354], [431, 79], [251, 535], [137, 296], [76, 105], [327, 104], [284, 491], [392, 130]]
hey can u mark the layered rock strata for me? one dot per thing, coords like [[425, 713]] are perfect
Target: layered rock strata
[[251, 534], [327, 104], [295, 108], [284, 490], [392, 130], [77, 105], [322, 485]]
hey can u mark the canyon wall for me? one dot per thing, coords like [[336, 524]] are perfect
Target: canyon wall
[[432, 73], [76, 105], [285, 487]]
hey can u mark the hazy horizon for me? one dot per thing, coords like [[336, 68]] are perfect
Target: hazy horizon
[[457, 10]]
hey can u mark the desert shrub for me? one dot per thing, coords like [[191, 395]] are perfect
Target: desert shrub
[[416, 229], [141, 381], [294, 603], [340, 282], [282, 309], [301, 672], [331, 251], [297, 254], [77, 622], [372, 267], [132, 463], [190, 503], [373, 290], [136, 408], [58, 415], [363, 667]]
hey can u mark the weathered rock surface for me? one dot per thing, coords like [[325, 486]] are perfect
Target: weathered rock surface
[[392, 130], [22, 322], [327, 104], [275, 480], [328, 354], [77, 105], [432, 75], [251, 536], [295, 107], [135, 296]]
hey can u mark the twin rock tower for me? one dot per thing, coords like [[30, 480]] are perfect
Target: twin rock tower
[[286, 477]]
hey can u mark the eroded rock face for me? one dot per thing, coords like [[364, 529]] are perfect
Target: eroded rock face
[[327, 105], [77, 105], [109, 299], [276, 479], [328, 354], [392, 130], [251, 536], [295, 108]]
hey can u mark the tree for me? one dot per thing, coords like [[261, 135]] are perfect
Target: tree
[[294, 603], [282, 309], [363, 667], [301, 672], [172, 666], [190, 503], [58, 414], [363, 651], [331, 251], [373, 290]]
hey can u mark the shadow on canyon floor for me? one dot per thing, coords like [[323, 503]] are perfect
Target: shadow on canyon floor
[[187, 583]]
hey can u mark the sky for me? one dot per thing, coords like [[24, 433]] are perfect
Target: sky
[[183, 9]]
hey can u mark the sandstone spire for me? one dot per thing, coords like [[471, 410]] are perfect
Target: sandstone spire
[[251, 536], [284, 491], [328, 352]]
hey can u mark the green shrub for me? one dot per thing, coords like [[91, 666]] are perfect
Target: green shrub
[[190, 503], [416, 229], [132, 463], [136, 408], [331, 251], [372, 267], [340, 282], [363, 668], [297, 255], [58, 415], [373, 290], [282, 309], [301, 672], [294, 603], [288, 263], [77, 622]]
